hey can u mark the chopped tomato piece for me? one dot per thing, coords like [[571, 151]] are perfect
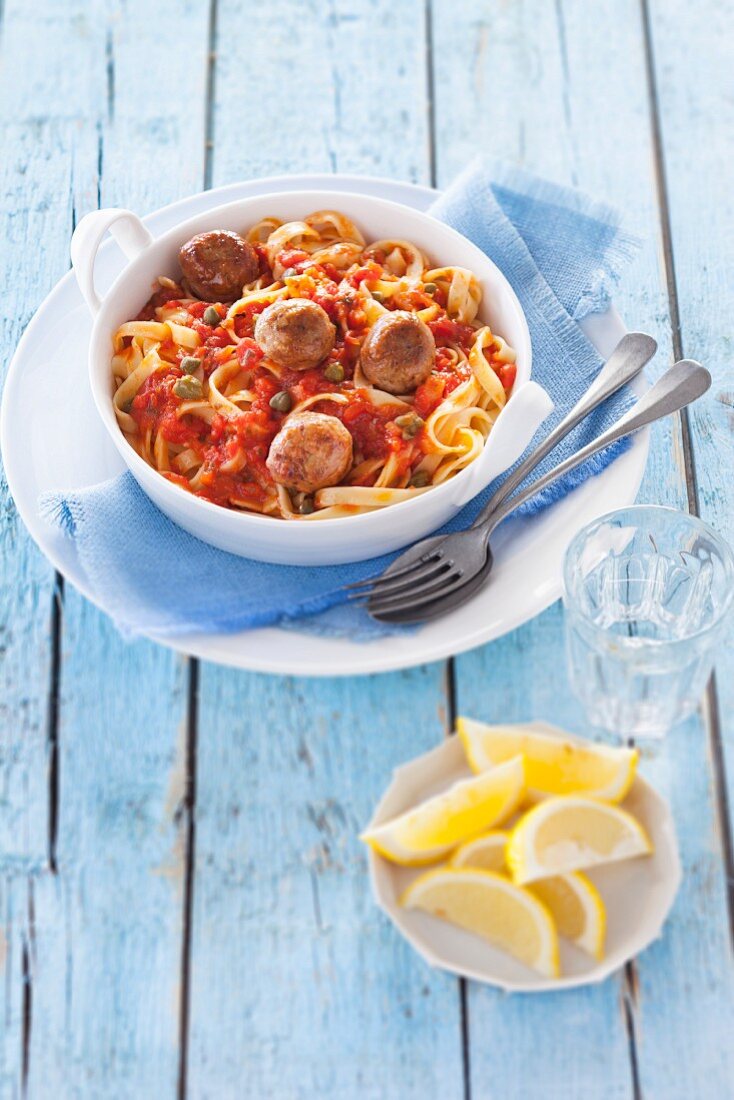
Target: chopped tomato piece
[[371, 271], [507, 375], [454, 332], [429, 395], [249, 353], [293, 257], [220, 338]]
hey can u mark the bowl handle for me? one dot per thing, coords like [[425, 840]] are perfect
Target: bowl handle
[[127, 229], [518, 423]]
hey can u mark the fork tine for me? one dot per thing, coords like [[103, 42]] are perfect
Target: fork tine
[[401, 602], [432, 555], [414, 611], [364, 583], [385, 585]]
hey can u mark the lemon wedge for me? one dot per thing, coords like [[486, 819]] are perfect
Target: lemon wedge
[[577, 908], [435, 827], [573, 901], [553, 766], [491, 906], [486, 853], [568, 834]]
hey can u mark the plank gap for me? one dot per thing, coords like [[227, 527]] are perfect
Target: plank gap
[[566, 85], [100, 166], [52, 735], [110, 72], [449, 727], [27, 998], [28, 958], [450, 666], [450, 696], [629, 1002], [189, 827], [465, 1038], [192, 703], [712, 715], [316, 899], [430, 93], [630, 989], [26, 1010], [712, 720], [211, 76], [666, 232]]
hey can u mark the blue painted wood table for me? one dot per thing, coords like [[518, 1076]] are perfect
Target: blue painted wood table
[[184, 909]]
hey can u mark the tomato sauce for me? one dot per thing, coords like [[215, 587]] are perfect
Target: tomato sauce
[[163, 296], [372, 427], [232, 449]]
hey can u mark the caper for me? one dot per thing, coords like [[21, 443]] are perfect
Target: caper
[[190, 363], [188, 388], [378, 295], [211, 316], [126, 406], [307, 506], [282, 402], [420, 479], [334, 372], [289, 273], [430, 288], [410, 423]]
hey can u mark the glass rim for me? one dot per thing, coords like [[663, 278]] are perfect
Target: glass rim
[[726, 553]]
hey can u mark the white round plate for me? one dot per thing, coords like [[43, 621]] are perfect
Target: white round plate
[[52, 439], [637, 893]]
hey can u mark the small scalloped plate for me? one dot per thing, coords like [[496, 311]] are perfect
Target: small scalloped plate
[[638, 893]]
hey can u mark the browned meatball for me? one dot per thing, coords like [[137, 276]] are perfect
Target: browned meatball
[[310, 451], [216, 265], [295, 333], [398, 353]]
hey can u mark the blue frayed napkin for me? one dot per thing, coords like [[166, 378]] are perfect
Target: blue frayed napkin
[[560, 250]]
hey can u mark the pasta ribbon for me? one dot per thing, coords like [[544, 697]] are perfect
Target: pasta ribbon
[[201, 402], [402, 258], [463, 292]]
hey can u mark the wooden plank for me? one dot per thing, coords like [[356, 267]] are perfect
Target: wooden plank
[[561, 125], [329, 87], [35, 216], [295, 975], [701, 215], [34, 207], [108, 926], [697, 260]]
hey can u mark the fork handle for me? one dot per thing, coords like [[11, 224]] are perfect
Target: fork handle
[[633, 351], [681, 384]]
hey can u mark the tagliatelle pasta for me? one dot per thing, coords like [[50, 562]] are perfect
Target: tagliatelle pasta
[[211, 393]]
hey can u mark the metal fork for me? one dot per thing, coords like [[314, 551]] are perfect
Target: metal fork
[[456, 566], [633, 351]]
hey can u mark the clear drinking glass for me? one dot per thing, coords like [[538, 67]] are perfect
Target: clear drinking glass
[[646, 594]]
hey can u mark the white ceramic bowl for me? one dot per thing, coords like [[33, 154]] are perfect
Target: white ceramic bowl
[[334, 541]]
